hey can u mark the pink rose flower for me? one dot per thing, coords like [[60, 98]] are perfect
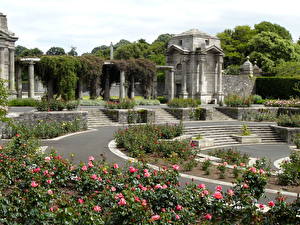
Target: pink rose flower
[[175, 167], [116, 166], [84, 168], [49, 181], [80, 201], [178, 207], [155, 217], [253, 169], [261, 206], [177, 217], [50, 192], [230, 192], [34, 184], [132, 169], [164, 186], [202, 186], [91, 158], [208, 216], [36, 170], [94, 177], [219, 188], [90, 163], [47, 159], [271, 203], [97, 208], [205, 192], [144, 202], [113, 189], [245, 186], [147, 174], [218, 195], [122, 202]]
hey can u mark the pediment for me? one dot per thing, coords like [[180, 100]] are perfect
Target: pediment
[[214, 49], [176, 48], [7, 36]]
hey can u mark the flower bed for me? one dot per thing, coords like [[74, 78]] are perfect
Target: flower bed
[[123, 104], [184, 103], [282, 103], [56, 105], [47, 189]]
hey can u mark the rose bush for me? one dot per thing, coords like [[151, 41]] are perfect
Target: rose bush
[[38, 188]]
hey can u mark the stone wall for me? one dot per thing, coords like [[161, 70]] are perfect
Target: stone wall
[[190, 114], [287, 133], [131, 116], [241, 85]]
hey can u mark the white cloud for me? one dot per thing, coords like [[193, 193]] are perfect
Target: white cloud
[[89, 23]]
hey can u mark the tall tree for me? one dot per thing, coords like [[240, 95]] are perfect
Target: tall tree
[[19, 50], [274, 28], [32, 52], [56, 51]]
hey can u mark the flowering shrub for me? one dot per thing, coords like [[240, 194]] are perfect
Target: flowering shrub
[[123, 104], [290, 170], [237, 101], [43, 129], [47, 189], [184, 103], [231, 155], [283, 103]]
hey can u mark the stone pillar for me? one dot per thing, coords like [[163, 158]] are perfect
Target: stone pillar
[[132, 94], [19, 81], [111, 51], [166, 83], [50, 86], [220, 75], [2, 63], [216, 76], [106, 90], [122, 85], [183, 93], [203, 87], [79, 89], [171, 85], [197, 68], [31, 80], [12, 87]]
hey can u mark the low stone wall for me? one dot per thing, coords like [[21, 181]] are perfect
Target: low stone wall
[[286, 133], [188, 114], [131, 116], [239, 113], [32, 118]]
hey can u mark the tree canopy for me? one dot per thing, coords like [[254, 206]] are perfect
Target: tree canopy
[[56, 51]]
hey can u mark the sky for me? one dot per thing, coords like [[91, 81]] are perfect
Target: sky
[[86, 24]]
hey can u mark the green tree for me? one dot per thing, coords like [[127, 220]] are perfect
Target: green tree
[[134, 50], [56, 51], [274, 28], [32, 52], [19, 50], [73, 52], [165, 38], [121, 43]]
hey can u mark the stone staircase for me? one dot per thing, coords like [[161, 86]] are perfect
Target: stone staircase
[[219, 116], [221, 134], [162, 116], [97, 118]]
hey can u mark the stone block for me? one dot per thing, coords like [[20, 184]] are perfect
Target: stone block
[[253, 138]]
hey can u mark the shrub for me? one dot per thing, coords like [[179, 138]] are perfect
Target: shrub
[[237, 101], [277, 87], [282, 103], [290, 171], [260, 115], [206, 166], [232, 70], [257, 99], [231, 156], [162, 99], [288, 120], [52, 105], [183, 103], [296, 140], [245, 130], [72, 105], [123, 104], [22, 102]]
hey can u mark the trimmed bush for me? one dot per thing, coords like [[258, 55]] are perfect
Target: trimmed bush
[[184, 103], [123, 104], [162, 99], [237, 101], [22, 102], [277, 87]]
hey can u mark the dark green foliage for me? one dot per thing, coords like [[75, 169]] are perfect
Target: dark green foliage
[[183, 103], [290, 69], [22, 102], [275, 28], [277, 87], [56, 105], [162, 99], [291, 170], [56, 51], [31, 52]]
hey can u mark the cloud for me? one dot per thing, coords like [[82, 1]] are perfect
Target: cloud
[[89, 23]]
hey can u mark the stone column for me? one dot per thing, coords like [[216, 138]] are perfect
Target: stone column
[[183, 93], [166, 83], [79, 89], [31, 80], [2, 63], [220, 76], [50, 91], [132, 94], [216, 76], [197, 68], [12, 87], [202, 88], [19, 81], [106, 90], [171, 86], [122, 85]]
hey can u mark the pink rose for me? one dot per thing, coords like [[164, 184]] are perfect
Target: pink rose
[[164, 186], [147, 174], [97, 208], [113, 189], [47, 159], [218, 195], [163, 210], [84, 168], [122, 202], [144, 202], [155, 217], [175, 167], [202, 186], [178, 207], [271, 203], [205, 192], [208, 216], [132, 169], [261, 206], [50, 192], [245, 186], [219, 188], [253, 169], [94, 177], [230, 192], [90, 163], [177, 217], [116, 166], [36, 170], [34, 184], [49, 181], [80, 201], [91, 158], [157, 186]]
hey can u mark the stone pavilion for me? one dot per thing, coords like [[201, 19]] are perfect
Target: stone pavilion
[[197, 60]]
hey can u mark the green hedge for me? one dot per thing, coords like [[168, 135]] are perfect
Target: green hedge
[[277, 87]]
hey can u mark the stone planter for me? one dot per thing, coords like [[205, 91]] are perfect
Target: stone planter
[[203, 143], [253, 138]]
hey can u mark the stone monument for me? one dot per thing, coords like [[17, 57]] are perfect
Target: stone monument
[[7, 53], [197, 59]]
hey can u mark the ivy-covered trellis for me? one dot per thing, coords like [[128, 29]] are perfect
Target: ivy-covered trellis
[[64, 76]]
